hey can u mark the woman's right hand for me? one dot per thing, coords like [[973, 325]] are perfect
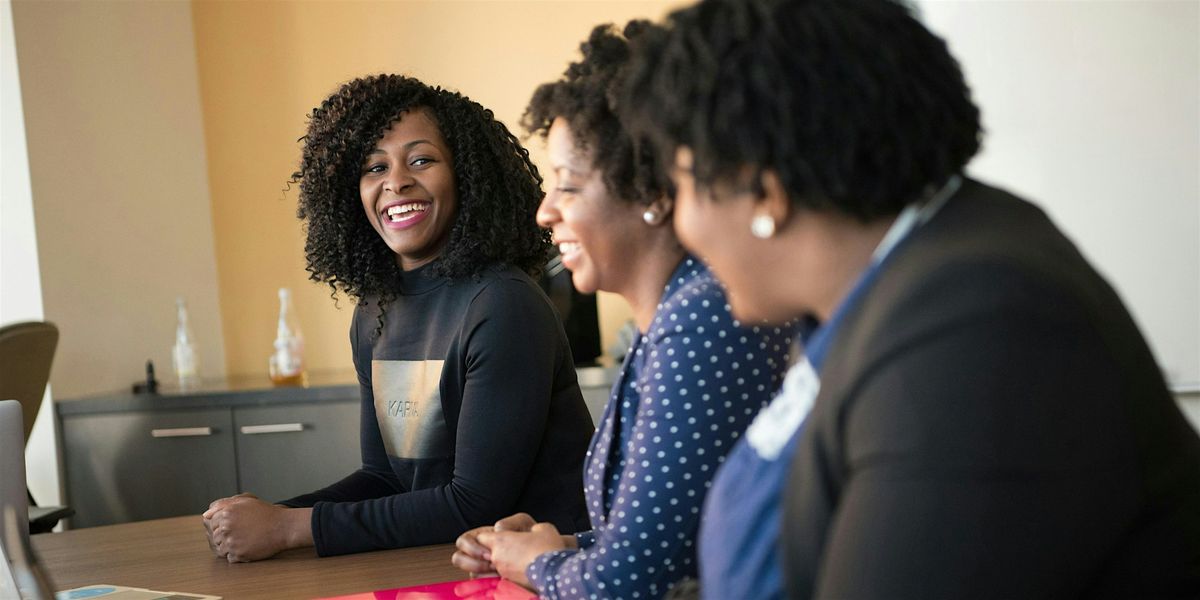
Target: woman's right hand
[[208, 526], [475, 558]]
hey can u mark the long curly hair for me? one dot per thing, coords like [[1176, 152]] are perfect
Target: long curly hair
[[587, 96], [855, 104], [498, 188]]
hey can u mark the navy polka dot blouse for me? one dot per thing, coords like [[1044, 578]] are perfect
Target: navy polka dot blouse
[[687, 390]]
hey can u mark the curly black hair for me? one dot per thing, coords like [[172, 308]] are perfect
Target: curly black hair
[[855, 104], [587, 96], [498, 188]]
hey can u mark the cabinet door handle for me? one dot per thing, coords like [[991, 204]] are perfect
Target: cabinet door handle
[[181, 432], [277, 428]]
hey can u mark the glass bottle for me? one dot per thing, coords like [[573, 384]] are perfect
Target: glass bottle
[[286, 366], [184, 357]]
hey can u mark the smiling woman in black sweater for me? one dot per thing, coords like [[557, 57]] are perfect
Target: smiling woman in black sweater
[[420, 206]]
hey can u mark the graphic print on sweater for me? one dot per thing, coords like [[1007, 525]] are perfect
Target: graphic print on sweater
[[408, 405]]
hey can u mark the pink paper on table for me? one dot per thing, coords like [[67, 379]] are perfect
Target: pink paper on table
[[490, 588]]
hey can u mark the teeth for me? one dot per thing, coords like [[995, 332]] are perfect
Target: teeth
[[396, 212], [568, 247]]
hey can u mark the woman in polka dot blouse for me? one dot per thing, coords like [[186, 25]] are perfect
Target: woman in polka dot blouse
[[689, 386]]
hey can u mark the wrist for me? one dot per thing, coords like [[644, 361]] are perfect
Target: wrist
[[297, 527]]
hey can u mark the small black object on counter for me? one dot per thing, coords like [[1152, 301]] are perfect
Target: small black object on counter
[[150, 386]]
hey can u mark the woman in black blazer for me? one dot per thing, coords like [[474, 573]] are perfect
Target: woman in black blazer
[[977, 415]]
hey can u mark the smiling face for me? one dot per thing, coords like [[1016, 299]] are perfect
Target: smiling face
[[598, 235], [407, 189]]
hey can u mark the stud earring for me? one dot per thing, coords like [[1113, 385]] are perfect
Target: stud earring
[[650, 217], [762, 226]]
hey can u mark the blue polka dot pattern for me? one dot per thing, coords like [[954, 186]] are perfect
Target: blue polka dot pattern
[[688, 389]]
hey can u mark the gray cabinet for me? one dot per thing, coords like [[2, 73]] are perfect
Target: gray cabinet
[[285, 451], [136, 466], [130, 457]]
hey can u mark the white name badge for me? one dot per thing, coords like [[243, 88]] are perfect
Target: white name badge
[[776, 424]]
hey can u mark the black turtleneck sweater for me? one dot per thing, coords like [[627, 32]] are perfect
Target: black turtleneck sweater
[[470, 412]]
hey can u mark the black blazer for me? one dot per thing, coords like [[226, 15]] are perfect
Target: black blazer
[[991, 424]]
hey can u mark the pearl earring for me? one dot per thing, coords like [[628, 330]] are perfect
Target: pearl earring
[[650, 217], [762, 226]]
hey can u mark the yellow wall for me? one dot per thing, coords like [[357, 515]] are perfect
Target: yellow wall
[[264, 65]]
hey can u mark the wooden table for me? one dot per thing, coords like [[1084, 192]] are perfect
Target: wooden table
[[173, 555]]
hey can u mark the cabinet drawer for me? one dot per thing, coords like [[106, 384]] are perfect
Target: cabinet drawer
[[137, 466], [292, 449]]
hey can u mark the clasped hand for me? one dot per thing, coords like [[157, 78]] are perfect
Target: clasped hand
[[508, 547], [244, 528]]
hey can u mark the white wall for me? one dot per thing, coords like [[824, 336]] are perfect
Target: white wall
[[20, 283], [1190, 404], [1092, 110]]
